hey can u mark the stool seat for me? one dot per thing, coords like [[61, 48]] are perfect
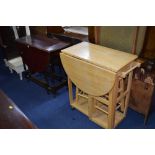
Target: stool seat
[[16, 64]]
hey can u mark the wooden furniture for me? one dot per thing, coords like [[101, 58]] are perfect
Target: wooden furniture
[[12, 57], [38, 30], [16, 64], [56, 30], [11, 117], [94, 34], [8, 41], [142, 89], [143, 85], [103, 80], [39, 54], [149, 46]]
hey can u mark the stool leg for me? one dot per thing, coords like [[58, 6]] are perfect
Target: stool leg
[[5, 61], [11, 70], [20, 75]]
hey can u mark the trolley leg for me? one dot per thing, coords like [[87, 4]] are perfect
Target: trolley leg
[[90, 106], [121, 93], [128, 94], [112, 105], [77, 94], [70, 87]]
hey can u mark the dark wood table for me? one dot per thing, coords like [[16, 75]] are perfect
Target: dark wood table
[[40, 54], [11, 117]]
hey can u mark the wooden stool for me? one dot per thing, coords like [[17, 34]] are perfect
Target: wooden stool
[[15, 64]]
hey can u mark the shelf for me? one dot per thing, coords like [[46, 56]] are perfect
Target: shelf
[[102, 120], [99, 117], [82, 107]]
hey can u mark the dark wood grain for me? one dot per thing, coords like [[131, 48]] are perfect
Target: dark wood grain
[[141, 97], [55, 29], [8, 40], [148, 50], [41, 54], [43, 43], [37, 51], [11, 117], [91, 34]]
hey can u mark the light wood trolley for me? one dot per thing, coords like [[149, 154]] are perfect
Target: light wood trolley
[[102, 77]]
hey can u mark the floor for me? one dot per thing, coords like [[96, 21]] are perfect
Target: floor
[[48, 112]]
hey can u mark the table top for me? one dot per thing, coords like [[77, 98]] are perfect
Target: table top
[[101, 56], [43, 43], [11, 117]]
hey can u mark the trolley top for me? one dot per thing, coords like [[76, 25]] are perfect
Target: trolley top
[[104, 57]]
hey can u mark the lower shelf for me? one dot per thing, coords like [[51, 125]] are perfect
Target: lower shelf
[[102, 119], [99, 118], [82, 107]]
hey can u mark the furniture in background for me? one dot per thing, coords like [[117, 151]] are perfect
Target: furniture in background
[[142, 88], [55, 29], [16, 64], [12, 57], [38, 30], [11, 117], [149, 44], [59, 30], [125, 38], [8, 36], [102, 77], [39, 53], [76, 29]]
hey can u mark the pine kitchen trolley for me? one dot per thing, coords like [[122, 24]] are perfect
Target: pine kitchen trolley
[[102, 77]]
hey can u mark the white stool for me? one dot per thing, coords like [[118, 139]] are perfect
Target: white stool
[[15, 64]]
